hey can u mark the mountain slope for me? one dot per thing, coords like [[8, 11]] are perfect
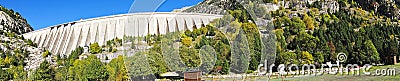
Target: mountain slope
[[13, 22], [18, 56], [214, 6]]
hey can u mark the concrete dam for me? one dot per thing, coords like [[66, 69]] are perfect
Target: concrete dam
[[64, 38]]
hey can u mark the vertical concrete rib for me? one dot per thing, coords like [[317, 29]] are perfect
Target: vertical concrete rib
[[95, 30], [102, 32], [205, 21], [148, 27], [111, 30], [162, 25], [189, 23], [43, 38], [198, 22], [167, 26], [55, 39], [35, 37], [84, 34], [51, 38], [202, 24], [89, 35], [37, 40], [48, 38], [76, 36], [194, 25], [115, 29], [136, 27], [128, 26], [181, 23], [62, 39], [158, 27], [185, 24], [105, 34], [152, 28], [176, 25], [70, 38], [120, 28], [143, 26]]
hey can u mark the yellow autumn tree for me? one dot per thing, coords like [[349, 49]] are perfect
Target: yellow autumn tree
[[309, 22], [187, 41], [306, 58]]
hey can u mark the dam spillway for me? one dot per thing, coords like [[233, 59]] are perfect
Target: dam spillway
[[64, 38]]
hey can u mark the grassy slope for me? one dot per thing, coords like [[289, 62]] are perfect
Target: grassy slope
[[351, 77]]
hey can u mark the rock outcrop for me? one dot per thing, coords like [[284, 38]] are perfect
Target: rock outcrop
[[12, 44], [214, 6], [13, 22]]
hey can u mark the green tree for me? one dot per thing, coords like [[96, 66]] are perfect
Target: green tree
[[95, 69], [76, 53], [89, 69], [287, 58], [309, 22], [44, 72], [371, 51], [17, 72], [326, 18], [240, 15], [195, 33], [297, 25], [305, 41], [138, 68], [30, 43], [2, 63], [46, 53], [254, 41], [61, 73], [187, 41], [319, 57], [306, 58], [4, 75], [75, 72], [281, 40], [94, 48], [117, 69], [189, 56], [204, 30], [223, 55]]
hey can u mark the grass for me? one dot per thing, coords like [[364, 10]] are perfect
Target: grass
[[328, 77]]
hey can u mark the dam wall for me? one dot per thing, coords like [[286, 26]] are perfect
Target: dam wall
[[64, 38]]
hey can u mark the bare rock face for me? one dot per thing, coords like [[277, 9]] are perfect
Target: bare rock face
[[13, 22], [214, 6], [12, 43]]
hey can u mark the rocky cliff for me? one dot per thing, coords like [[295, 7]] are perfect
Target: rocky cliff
[[13, 22], [14, 49], [214, 6]]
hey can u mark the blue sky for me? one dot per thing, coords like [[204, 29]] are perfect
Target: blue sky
[[44, 13]]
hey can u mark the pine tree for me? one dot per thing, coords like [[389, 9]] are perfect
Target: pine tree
[[44, 72]]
